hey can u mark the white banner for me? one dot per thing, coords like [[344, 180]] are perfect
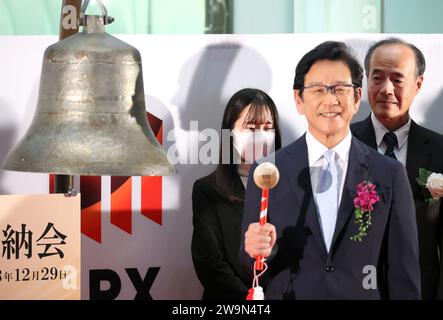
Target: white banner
[[40, 247]]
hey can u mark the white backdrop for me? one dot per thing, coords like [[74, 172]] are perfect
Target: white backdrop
[[186, 78]]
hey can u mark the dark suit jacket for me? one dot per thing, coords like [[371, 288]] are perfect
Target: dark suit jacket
[[301, 268], [425, 150], [216, 241]]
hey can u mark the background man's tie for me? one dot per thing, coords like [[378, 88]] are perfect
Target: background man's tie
[[391, 141]]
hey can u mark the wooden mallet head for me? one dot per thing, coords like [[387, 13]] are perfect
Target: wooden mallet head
[[266, 175]]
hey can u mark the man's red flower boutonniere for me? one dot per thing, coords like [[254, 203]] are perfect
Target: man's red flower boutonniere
[[364, 205]]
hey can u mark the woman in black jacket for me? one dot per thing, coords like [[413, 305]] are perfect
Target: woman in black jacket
[[217, 199]]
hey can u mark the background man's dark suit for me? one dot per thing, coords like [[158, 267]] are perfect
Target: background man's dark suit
[[425, 150], [301, 268]]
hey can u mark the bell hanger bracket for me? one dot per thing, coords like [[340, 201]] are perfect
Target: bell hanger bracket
[[83, 17]]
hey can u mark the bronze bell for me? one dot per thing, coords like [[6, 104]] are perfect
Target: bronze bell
[[91, 116]]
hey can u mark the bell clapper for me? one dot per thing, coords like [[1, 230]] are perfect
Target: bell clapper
[[72, 192]]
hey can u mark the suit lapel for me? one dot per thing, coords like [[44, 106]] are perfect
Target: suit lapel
[[359, 169], [297, 168], [366, 133], [417, 155]]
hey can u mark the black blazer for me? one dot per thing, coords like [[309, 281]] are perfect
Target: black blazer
[[301, 268], [216, 241], [425, 150]]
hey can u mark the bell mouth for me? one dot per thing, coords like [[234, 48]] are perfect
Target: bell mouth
[[90, 144], [25, 158]]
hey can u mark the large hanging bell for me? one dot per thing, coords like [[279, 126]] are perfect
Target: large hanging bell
[[90, 117]]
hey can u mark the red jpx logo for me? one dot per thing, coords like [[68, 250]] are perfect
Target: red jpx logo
[[121, 197]]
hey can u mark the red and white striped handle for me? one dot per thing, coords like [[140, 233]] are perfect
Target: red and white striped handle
[[263, 218]]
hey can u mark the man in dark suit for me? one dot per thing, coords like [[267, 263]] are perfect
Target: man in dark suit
[[395, 69], [307, 242]]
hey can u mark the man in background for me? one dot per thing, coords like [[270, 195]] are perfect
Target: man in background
[[394, 70]]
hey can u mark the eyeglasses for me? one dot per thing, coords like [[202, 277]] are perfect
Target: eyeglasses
[[321, 90]]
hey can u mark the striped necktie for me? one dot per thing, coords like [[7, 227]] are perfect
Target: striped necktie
[[391, 141]]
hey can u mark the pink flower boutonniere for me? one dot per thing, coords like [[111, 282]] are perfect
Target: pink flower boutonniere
[[364, 205]]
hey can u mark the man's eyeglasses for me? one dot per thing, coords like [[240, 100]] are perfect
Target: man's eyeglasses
[[321, 90]]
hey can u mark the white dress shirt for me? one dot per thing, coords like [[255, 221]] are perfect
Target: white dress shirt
[[402, 133], [244, 180], [316, 150]]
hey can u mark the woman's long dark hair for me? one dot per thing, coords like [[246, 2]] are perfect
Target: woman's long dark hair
[[260, 102]]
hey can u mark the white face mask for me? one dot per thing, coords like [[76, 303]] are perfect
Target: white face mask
[[253, 145]]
